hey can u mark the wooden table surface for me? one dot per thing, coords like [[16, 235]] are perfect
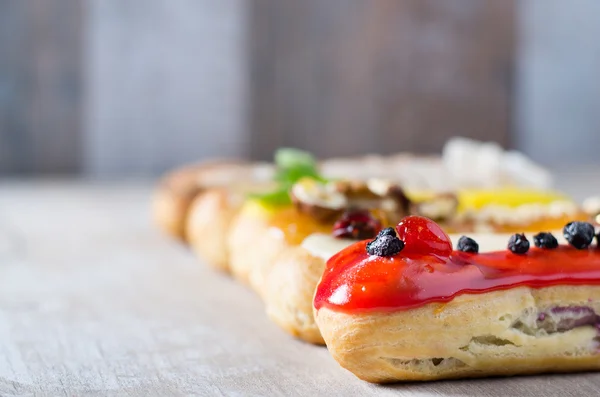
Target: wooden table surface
[[95, 301]]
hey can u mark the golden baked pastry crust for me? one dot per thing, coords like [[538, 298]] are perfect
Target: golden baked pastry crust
[[177, 190], [474, 335], [253, 248], [208, 225], [289, 290], [172, 198]]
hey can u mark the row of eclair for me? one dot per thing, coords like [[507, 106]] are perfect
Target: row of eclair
[[277, 227]]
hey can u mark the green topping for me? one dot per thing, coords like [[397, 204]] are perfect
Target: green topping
[[289, 158], [273, 198], [292, 165]]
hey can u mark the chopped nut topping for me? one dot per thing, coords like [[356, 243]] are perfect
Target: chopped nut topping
[[321, 200], [439, 208], [327, 201]]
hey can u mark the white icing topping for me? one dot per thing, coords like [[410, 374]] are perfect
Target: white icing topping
[[591, 205], [379, 186], [481, 164], [464, 163], [438, 208], [324, 245], [314, 193], [522, 215]]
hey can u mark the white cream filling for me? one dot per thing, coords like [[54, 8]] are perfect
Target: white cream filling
[[473, 163], [591, 205], [521, 215], [325, 246], [438, 208]]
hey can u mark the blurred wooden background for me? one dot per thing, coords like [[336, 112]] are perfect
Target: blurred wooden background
[[381, 76], [41, 82], [166, 84], [111, 87]]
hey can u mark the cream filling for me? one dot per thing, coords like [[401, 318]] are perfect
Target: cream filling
[[522, 215], [325, 246], [473, 163], [591, 206]]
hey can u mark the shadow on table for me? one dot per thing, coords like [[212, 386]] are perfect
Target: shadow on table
[[586, 384]]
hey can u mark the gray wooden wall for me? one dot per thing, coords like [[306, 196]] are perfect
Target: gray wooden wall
[[40, 86], [558, 86], [112, 87], [166, 83], [347, 76]]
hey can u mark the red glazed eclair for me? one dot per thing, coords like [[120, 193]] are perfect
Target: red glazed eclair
[[406, 306], [292, 278]]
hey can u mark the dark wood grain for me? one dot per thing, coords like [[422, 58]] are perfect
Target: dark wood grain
[[343, 77], [40, 86]]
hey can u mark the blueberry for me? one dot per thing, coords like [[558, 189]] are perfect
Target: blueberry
[[385, 245], [388, 231], [545, 240], [467, 244], [579, 234], [518, 244]]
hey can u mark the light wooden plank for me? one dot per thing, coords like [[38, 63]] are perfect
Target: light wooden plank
[[94, 301]]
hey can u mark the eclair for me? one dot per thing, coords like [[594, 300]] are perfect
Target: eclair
[[291, 279], [199, 204], [409, 306], [261, 233], [290, 284], [177, 190], [211, 213]]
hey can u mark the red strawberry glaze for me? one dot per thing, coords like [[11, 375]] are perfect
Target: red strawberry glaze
[[354, 281], [421, 234]]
